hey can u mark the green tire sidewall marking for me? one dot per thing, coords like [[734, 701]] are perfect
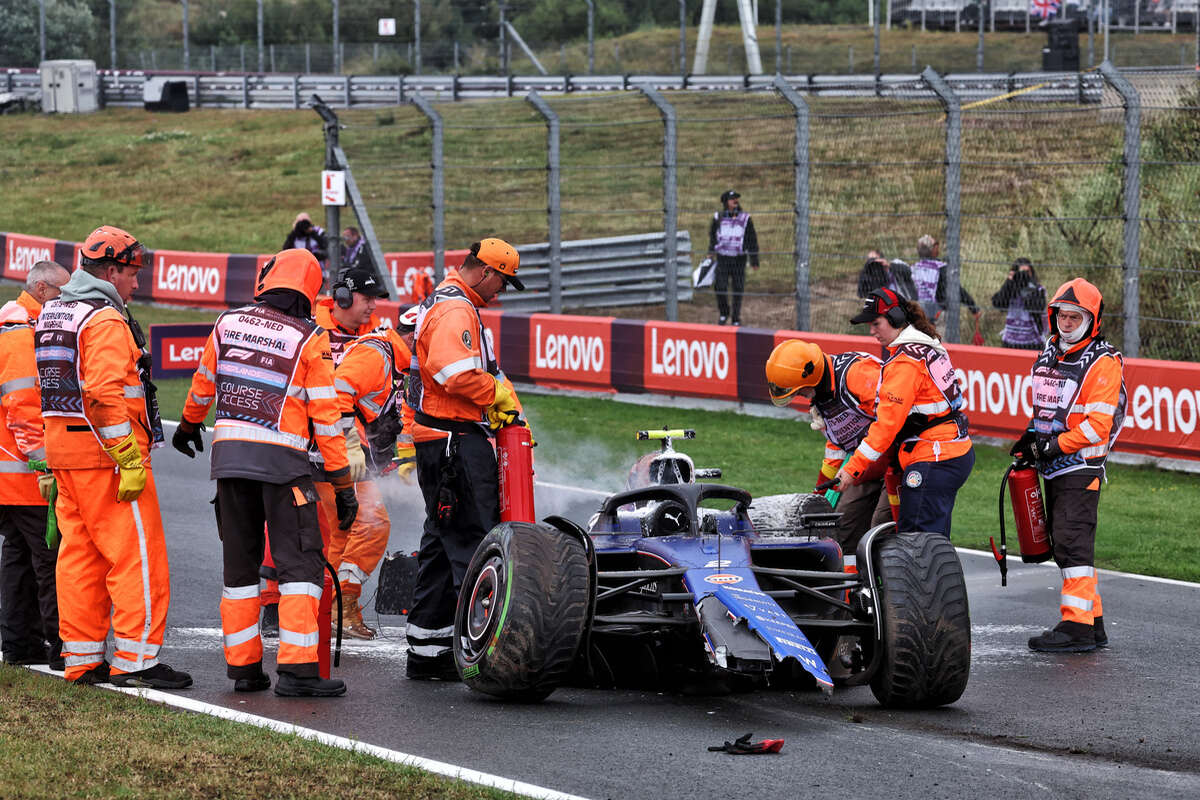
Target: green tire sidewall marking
[[471, 671], [508, 582]]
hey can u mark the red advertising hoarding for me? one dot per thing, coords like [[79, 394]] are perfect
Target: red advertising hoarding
[[578, 347], [696, 360], [22, 252]]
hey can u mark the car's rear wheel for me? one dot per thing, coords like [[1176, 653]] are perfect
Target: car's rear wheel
[[522, 611], [926, 657]]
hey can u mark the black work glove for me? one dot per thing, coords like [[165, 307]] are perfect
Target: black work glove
[[347, 507], [742, 746], [1023, 447], [1046, 448], [186, 435]]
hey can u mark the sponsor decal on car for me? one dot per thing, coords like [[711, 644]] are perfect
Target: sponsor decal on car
[[722, 578]]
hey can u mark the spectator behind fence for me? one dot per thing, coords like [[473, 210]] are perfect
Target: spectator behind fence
[[352, 247], [731, 238], [929, 277], [878, 273], [1025, 300], [307, 236]]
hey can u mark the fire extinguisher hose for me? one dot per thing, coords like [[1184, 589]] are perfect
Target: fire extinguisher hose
[[1002, 554], [337, 592]]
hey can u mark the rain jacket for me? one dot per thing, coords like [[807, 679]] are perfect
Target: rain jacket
[[21, 434]]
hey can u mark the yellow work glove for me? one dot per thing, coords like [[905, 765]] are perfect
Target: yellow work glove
[[503, 410], [45, 479], [128, 456], [46, 485], [406, 455], [354, 452]]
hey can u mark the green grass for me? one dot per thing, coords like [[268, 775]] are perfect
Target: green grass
[[825, 49], [60, 740]]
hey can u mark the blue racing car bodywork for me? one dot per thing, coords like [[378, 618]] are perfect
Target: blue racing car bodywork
[[675, 584]]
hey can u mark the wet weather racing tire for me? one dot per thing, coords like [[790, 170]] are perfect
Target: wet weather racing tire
[[522, 611], [926, 642]]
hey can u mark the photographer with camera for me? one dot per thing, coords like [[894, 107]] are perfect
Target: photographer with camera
[[307, 236], [1025, 301], [879, 273]]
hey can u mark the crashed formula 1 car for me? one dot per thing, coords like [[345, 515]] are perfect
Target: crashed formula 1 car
[[679, 582]]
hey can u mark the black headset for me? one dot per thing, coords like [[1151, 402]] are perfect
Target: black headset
[[342, 295]]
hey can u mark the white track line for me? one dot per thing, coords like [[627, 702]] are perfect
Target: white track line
[[395, 756], [1113, 572]]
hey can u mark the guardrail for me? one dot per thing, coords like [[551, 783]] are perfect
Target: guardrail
[[602, 273], [276, 91]]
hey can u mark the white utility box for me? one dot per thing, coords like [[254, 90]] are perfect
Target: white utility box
[[70, 87]]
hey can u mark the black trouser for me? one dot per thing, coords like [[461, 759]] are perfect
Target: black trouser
[[731, 275], [446, 549], [1071, 513], [289, 512], [28, 600], [862, 506]]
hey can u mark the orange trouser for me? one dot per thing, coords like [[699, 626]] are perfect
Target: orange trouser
[[113, 558], [355, 553]]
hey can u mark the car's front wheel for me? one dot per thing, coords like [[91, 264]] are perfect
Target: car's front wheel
[[926, 642], [522, 611]]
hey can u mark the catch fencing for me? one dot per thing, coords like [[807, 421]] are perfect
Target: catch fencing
[[1095, 176]]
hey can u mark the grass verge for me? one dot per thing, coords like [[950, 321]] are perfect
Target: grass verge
[[61, 740]]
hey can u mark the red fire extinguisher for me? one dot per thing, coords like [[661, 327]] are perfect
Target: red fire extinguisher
[[514, 456], [891, 485], [1029, 513]]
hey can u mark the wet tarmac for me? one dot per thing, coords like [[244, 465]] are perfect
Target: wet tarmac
[[1115, 723]]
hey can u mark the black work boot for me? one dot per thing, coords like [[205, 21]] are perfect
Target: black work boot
[[290, 685], [431, 668], [258, 683], [1067, 637], [95, 675], [160, 676], [1098, 632]]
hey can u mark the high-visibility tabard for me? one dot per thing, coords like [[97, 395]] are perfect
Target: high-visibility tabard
[[257, 352]]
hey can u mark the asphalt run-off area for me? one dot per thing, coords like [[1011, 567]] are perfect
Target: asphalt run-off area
[[1114, 723]]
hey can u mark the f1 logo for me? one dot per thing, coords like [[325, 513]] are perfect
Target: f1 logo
[[239, 354]]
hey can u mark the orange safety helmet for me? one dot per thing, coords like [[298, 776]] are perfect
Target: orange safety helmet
[[502, 257], [1080, 295], [294, 269], [112, 245], [792, 366]]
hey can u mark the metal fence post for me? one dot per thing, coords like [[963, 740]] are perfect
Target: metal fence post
[[335, 158], [1132, 190], [333, 228], [670, 204], [553, 203], [439, 203], [953, 197], [800, 161]]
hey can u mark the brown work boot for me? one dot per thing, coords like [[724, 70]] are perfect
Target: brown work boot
[[352, 619]]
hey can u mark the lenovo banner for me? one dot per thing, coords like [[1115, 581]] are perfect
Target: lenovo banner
[[412, 273], [22, 252], [578, 347], [194, 279], [175, 349]]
